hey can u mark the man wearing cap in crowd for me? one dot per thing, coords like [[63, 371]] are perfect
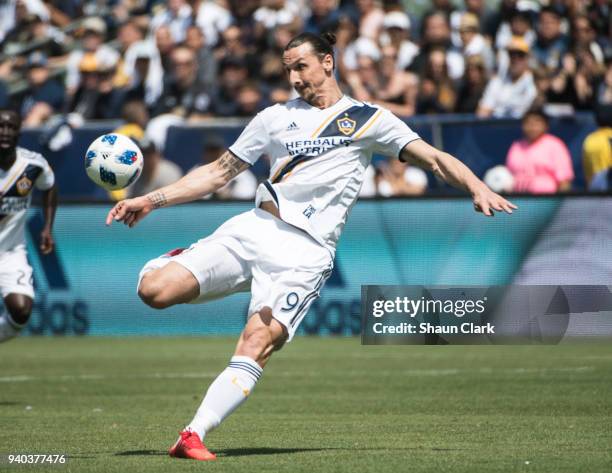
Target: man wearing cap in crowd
[[396, 32], [510, 95], [96, 97], [94, 35], [44, 96]]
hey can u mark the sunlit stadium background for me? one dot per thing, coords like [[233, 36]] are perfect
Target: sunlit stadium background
[[108, 381]]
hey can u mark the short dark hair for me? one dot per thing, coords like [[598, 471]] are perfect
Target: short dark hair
[[551, 10], [12, 112], [322, 44], [536, 112]]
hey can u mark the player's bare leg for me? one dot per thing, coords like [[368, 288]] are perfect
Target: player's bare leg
[[18, 310], [169, 285], [262, 336]]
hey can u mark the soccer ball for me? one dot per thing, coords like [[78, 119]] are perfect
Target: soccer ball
[[499, 179], [113, 161]]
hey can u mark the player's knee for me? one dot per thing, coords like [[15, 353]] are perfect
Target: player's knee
[[20, 309], [152, 292], [257, 341]]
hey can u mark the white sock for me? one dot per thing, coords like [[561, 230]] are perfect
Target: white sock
[[8, 327], [230, 389]]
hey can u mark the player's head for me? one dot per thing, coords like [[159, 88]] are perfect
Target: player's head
[[10, 124], [535, 124], [309, 61]]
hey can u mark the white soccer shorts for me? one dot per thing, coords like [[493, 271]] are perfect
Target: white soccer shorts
[[15, 273], [283, 267]]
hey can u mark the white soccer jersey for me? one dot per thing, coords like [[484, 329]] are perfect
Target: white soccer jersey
[[318, 158], [29, 169]]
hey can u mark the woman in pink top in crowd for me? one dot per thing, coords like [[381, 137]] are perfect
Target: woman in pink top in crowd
[[540, 163]]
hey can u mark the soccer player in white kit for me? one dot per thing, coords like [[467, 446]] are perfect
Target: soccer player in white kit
[[282, 251], [20, 171]]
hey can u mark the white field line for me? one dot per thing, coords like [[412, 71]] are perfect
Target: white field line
[[208, 375]]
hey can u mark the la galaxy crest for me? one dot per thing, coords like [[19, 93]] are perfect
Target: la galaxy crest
[[23, 185], [346, 125]]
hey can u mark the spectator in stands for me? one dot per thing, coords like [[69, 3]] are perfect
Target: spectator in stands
[[128, 35], [165, 45], [45, 95], [272, 71], [250, 100], [445, 7], [136, 117], [599, 12], [436, 35], [604, 88], [142, 65], [383, 84], [233, 73], [32, 25], [597, 150], [396, 33], [183, 94], [177, 16], [324, 16], [96, 98], [540, 163], [510, 95], [274, 13], [518, 25], [207, 64], [437, 92], [94, 34], [157, 171], [397, 179], [551, 44], [543, 79], [575, 82], [346, 36], [371, 17], [472, 86], [213, 18], [480, 10], [473, 43], [584, 37], [233, 46]]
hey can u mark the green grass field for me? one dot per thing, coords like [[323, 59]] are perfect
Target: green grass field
[[323, 405]]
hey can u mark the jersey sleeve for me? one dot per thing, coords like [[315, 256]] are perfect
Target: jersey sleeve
[[46, 179], [252, 142], [392, 135]]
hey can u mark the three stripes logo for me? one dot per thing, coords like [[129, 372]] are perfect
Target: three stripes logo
[[292, 127]]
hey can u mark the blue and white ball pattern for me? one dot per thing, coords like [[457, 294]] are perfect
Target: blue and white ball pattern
[[113, 161]]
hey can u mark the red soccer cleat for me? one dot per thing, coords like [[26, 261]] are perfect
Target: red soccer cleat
[[190, 446]]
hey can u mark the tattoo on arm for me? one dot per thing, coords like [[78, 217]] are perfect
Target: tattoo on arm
[[158, 199], [231, 165]]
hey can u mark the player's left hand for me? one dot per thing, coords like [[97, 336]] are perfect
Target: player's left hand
[[487, 201], [46, 241]]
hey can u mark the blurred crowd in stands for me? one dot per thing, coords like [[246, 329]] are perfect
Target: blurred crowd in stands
[[188, 60]]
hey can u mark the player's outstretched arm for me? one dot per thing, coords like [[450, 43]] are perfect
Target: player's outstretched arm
[[192, 186], [457, 174]]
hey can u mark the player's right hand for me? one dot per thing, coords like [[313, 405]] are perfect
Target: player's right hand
[[130, 211]]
